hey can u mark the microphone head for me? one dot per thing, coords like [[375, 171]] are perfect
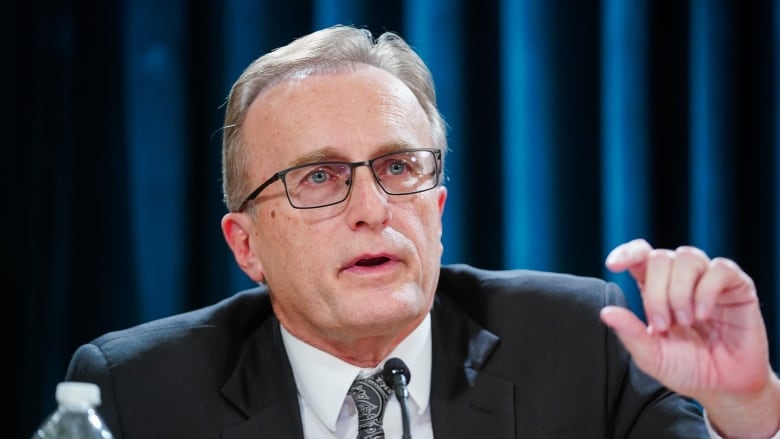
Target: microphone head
[[393, 368]]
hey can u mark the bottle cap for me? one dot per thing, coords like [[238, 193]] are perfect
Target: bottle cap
[[74, 392]]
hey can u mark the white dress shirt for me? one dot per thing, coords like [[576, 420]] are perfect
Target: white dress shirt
[[323, 381]]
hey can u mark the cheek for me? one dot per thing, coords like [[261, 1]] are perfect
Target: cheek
[[429, 215], [277, 235], [424, 224]]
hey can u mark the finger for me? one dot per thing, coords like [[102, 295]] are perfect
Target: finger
[[630, 256], [633, 334], [627, 255], [689, 265], [655, 294], [721, 282]]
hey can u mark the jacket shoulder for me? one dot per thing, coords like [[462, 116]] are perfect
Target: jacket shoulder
[[234, 318], [470, 285]]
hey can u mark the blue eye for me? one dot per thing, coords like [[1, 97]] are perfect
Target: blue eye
[[396, 168], [318, 174], [318, 177]]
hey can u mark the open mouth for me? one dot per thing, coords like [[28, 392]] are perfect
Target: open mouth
[[372, 262]]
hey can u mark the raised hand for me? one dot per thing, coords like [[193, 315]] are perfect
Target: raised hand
[[705, 336]]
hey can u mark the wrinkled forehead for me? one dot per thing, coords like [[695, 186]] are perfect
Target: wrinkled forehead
[[322, 77], [355, 109]]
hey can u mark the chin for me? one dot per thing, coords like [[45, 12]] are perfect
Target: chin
[[391, 321]]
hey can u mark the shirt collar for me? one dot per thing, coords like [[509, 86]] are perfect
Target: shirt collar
[[323, 380]]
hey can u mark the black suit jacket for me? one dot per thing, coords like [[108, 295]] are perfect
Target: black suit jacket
[[515, 354]]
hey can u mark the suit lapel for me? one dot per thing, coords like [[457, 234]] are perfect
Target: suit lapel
[[263, 389], [465, 400]]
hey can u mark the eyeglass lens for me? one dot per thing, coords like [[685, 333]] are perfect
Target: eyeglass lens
[[322, 184]]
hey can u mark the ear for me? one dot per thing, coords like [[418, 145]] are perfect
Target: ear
[[442, 199], [237, 229]]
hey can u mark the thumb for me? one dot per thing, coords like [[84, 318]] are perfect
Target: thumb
[[633, 333]]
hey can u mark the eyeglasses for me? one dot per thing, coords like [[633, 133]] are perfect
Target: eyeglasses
[[313, 185]]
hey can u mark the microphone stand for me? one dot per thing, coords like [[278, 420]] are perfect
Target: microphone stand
[[396, 373], [402, 393]]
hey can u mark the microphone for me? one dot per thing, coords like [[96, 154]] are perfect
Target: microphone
[[397, 375]]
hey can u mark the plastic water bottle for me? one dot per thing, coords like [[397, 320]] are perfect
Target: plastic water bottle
[[75, 417]]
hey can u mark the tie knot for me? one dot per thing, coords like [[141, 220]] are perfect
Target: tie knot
[[370, 396]]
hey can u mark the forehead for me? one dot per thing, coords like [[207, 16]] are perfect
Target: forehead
[[356, 113]]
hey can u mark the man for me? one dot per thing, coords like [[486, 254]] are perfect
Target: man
[[332, 160]]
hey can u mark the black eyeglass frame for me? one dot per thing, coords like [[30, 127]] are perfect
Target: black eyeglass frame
[[281, 176]]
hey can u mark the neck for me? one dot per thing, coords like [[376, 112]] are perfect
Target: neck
[[363, 351]]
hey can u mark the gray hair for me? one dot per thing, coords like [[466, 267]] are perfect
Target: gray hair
[[333, 49]]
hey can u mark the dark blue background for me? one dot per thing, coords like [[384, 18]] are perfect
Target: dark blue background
[[574, 126]]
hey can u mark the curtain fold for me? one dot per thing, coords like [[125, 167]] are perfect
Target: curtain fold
[[528, 147], [573, 126], [154, 64], [712, 99], [624, 124]]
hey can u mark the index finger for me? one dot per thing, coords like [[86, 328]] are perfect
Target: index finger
[[631, 256]]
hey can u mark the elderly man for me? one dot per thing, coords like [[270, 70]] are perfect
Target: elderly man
[[333, 157]]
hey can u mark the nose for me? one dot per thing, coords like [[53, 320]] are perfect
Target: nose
[[367, 205]]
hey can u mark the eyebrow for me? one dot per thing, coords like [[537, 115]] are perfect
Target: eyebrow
[[330, 153], [319, 155]]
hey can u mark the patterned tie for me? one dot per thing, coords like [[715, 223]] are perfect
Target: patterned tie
[[370, 395]]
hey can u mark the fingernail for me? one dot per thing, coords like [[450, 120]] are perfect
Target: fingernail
[[660, 323], [683, 317], [701, 311], [613, 256]]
